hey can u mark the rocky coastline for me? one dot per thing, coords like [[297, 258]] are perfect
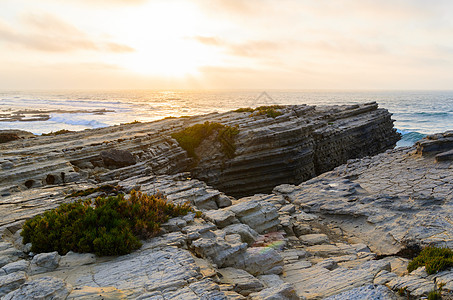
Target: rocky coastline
[[315, 204]]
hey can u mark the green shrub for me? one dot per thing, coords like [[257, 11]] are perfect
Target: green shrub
[[133, 122], [191, 137], [63, 131], [245, 109], [270, 111], [434, 259], [435, 295], [109, 226]]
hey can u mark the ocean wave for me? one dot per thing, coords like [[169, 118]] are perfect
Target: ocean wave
[[432, 114], [409, 138], [82, 122]]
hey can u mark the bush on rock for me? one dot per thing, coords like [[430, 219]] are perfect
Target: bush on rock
[[191, 137], [434, 259], [108, 226], [271, 111]]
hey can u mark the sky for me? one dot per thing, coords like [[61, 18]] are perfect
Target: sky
[[226, 44]]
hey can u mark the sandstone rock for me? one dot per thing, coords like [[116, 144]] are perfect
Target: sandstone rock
[[221, 217], [435, 143], [41, 288], [5, 245], [176, 239], [117, 158], [289, 208], [45, 262], [7, 259], [223, 201], [243, 282], [11, 282], [271, 280], [445, 156], [302, 229], [314, 239], [218, 250], [329, 264], [161, 270], [296, 146], [325, 250], [72, 259], [318, 282], [257, 261], [283, 292], [101, 293], [398, 264], [248, 235], [446, 278], [383, 277], [262, 218], [20, 265], [293, 255], [174, 224], [305, 217], [367, 292], [416, 286]]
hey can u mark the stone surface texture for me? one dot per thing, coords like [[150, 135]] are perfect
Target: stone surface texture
[[344, 234]]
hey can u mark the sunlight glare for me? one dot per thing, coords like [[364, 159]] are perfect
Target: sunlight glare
[[162, 36]]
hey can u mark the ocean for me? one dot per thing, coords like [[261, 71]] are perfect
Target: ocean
[[416, 113]]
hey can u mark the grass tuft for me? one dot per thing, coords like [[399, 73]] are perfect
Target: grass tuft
[[63, 131], [191, 137], [270, 111], [106, 226], [434, 259]]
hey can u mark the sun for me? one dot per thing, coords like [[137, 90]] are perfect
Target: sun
[[162, 35]]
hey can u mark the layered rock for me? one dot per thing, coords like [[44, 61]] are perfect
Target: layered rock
[[340, 235], [298, 144], [303, 142]]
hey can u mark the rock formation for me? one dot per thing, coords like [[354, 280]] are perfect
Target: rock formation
[[302, 142], [346, 234]]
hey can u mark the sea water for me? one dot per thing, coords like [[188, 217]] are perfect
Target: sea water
[[416, 113]]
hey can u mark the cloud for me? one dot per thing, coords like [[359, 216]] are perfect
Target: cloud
[[208, 40], [104, 2], [45, 32], [250, 48]]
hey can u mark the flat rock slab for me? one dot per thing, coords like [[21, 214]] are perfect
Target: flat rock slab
[[367, 292], [282, 292], [160, 271], [445, 156], [11, 282], [415, 285], [242, 281], [318, 282], [100, 293], [41, 288], [314, 239]]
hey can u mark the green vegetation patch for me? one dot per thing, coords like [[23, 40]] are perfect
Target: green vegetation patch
[[191, 137], [270, 111], [133, 122], [434, 259], [106, 226], [435, 295], [63, 131]]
